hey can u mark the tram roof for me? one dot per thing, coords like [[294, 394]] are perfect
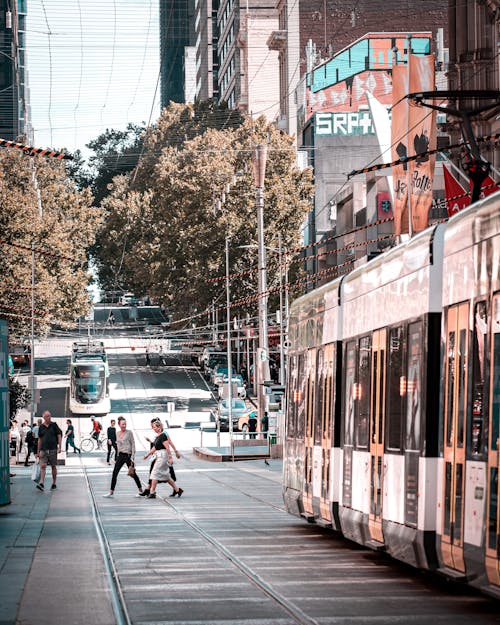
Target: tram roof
[[473, 224]]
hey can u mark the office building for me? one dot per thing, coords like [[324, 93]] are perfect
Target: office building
[[207, 60], [177, 32], [14, 96]]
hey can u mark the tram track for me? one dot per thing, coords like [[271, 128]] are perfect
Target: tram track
[[247, 572]]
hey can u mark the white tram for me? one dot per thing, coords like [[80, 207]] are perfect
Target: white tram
[[89, 379], [393, 401]]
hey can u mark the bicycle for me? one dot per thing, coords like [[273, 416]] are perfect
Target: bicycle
[[90, 443]]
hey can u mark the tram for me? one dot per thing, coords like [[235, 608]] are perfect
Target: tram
[[89, 379], [393, 401]]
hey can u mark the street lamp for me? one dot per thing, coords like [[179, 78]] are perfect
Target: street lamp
[[259, 157], [228, 351]]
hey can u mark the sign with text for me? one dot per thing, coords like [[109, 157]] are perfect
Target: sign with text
[[343, 124]]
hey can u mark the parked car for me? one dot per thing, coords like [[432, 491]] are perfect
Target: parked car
[[235, 379], [218, 373], [216, 358], [238, 409]]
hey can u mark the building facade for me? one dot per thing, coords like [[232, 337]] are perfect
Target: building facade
[[207, 60], [177, 32], [474, 63], [14, 93], [247, 68]]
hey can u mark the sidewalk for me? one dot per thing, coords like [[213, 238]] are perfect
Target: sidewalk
[[48, 548]]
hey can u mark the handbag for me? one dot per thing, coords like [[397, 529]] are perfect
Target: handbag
[[35, 471], [131, 470]]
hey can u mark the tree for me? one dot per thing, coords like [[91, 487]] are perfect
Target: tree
[[61, 238], [115, 152], [19, 396], [162, 234]]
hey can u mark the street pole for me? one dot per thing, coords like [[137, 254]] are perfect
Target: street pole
[[282, 320], [32, 338], [229, 363], [261, 369]]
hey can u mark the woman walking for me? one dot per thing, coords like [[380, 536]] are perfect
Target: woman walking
[[70, 437], [161, 468], [126, 453]]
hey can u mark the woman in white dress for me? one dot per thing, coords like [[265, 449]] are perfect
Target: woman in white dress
[[161, 471]]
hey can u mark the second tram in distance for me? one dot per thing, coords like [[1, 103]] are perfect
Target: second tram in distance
[[89, 379], [393, 401]]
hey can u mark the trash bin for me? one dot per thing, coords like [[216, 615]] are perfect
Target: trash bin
[[272, 439]]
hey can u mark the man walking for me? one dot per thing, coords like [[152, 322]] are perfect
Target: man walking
[[111, 434], [49, 444]]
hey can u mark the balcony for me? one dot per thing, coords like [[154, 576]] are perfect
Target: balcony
[[277, 40]]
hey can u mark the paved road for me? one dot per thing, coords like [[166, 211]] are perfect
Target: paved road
[[225, 553]]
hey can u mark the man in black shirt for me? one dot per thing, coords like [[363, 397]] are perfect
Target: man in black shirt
[[111, 434], [49, 444]]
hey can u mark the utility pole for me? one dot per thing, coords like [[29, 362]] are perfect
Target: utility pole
[[228, 351], [259, 157], [282, 319]]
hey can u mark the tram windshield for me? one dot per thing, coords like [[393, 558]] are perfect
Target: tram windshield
[[90, 383]]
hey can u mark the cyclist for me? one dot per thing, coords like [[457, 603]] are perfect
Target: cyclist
[[96, 428]]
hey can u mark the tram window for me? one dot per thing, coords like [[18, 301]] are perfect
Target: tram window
[[414, 386], [495, 395], [493, 509], [479, 361], [291, 412], [330, 352], [462, 359], [350, 387], [320, 398], [362, 414], [451, 386], [311, 381], [396, 389], [301, 397]]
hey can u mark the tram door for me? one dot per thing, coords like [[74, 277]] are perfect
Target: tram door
[[455, 409], [309, 431], [493, 522], [377, 420]]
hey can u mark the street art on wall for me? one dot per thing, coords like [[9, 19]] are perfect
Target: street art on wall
[[340, 84]]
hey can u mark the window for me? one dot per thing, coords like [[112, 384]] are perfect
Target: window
[[350, 387], [479, 364], [362, 413], [414, 386], [396, 389]]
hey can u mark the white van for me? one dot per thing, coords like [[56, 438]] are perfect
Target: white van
[[126, 299]]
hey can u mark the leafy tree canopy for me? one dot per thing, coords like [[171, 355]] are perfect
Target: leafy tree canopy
[[61, 236], [163, 235]]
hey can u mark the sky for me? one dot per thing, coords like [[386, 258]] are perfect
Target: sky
[[92, 65]]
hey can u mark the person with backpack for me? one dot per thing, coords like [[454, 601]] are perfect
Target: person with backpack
[[252, 424], [31, 445], [96, 428]]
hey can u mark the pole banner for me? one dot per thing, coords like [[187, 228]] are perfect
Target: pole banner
[[422, 137], [399, 141]]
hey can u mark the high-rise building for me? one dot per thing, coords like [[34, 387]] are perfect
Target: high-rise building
[[177, 32], [248, 70], [14, 104], [207, 60]]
